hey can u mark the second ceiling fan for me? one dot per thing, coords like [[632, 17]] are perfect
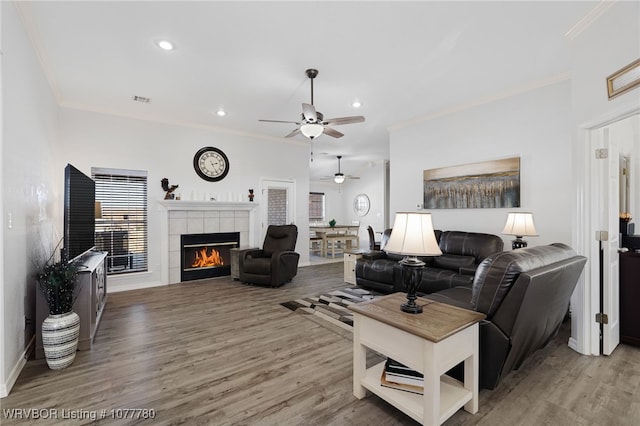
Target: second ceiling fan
[[312, 123], [340, 177]]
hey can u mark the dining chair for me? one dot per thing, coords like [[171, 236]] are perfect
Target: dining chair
[[373, 245]]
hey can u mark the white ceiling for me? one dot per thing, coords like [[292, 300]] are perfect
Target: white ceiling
[[402, 60]]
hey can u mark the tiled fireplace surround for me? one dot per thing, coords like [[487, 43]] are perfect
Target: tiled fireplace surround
[[197, 217]]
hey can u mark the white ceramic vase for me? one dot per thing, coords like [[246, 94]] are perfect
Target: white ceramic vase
[[60, 339]]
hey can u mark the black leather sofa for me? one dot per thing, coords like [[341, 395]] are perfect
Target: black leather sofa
[[462, 252], [525, 296]]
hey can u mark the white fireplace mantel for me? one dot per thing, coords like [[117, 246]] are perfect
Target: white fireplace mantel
[[232, 217]]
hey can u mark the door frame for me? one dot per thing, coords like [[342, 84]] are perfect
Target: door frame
[[290, 186], [585, 301]]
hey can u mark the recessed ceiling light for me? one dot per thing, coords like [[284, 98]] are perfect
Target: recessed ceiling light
[[221, 113], [356, 104], [165, 44]]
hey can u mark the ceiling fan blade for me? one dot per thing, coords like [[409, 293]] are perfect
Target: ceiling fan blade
[[293, 133], [280, 121], [344, 120], [331, 132], [309, 113]]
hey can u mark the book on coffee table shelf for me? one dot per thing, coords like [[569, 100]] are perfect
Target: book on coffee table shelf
[[399, 376]]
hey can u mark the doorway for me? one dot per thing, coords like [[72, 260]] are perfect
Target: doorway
[[278, 203], [595, 306]]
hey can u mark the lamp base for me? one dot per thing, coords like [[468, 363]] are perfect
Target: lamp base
[[518, 243], [411, 278], [411, 307]]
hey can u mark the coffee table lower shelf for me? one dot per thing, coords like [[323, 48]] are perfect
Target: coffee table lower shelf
[[453, 395]]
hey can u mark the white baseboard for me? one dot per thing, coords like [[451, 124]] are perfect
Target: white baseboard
[[6, 387], [115, 288]]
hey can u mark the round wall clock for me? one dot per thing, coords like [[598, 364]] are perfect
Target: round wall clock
[[211, 164]]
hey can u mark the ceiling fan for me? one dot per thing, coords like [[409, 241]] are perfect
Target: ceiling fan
[[340, 177], [313, 123]]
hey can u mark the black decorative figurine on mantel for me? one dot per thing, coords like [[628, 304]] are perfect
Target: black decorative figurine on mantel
[[165, 185], [251, 195]]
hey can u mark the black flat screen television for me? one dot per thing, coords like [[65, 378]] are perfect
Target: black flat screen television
[[79, 213]]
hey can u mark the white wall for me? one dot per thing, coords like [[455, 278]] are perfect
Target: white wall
[[608, 44], [29, 197], [98, 140], [535, 125]]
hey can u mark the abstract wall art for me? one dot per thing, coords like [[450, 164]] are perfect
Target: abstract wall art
[[489, 184]]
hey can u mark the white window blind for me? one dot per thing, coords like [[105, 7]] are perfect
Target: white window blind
[[122, 229], [316, 206]]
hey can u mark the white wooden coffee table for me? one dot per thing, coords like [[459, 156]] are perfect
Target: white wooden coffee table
[[431, 342]]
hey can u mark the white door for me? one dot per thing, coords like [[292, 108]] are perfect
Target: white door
[[277, 206], [606, 167]]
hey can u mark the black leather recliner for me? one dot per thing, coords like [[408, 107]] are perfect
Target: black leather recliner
[[525, 295], [276, 263]]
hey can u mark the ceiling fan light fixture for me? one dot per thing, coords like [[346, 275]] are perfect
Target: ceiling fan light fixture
[[311, 130], [338, 178]]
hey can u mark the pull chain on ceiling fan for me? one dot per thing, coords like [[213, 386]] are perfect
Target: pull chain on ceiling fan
[[313, 123]]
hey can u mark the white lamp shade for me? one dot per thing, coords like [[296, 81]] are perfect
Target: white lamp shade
[[412, 235], [338, 178], [311, 130], [520, 224]]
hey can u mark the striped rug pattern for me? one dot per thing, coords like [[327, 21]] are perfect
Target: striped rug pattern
[[331, 306]]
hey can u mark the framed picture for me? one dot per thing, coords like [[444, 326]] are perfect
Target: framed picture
[[624, 80], [490, 184]]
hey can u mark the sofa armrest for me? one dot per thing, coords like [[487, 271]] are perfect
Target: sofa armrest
[[468, 270]]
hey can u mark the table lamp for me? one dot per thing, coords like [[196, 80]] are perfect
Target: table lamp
[[412, 235], [519, 224]]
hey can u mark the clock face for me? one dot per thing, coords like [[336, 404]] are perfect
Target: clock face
[[211, 164]]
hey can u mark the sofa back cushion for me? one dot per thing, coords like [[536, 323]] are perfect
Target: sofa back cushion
[[497, 273], [453, 262], [473, 244]]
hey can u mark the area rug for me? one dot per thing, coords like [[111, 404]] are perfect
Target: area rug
[[331, 306]]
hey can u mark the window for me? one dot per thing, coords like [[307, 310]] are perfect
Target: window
[[121, 222], [316, 206]]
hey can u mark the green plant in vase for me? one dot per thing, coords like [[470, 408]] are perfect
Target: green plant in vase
[[332, 223], [58, 281]]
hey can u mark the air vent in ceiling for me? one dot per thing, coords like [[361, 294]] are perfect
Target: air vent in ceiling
[[141, 99]]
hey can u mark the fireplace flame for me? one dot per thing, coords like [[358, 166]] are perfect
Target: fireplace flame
[[203, 259]]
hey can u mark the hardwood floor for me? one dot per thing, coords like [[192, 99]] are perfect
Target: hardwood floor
[[218, 352]]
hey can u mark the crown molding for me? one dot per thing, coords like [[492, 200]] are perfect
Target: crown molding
[[182, 123], [555, 79], [592, 16]]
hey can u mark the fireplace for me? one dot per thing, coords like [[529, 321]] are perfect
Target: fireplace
[[207, 255]]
